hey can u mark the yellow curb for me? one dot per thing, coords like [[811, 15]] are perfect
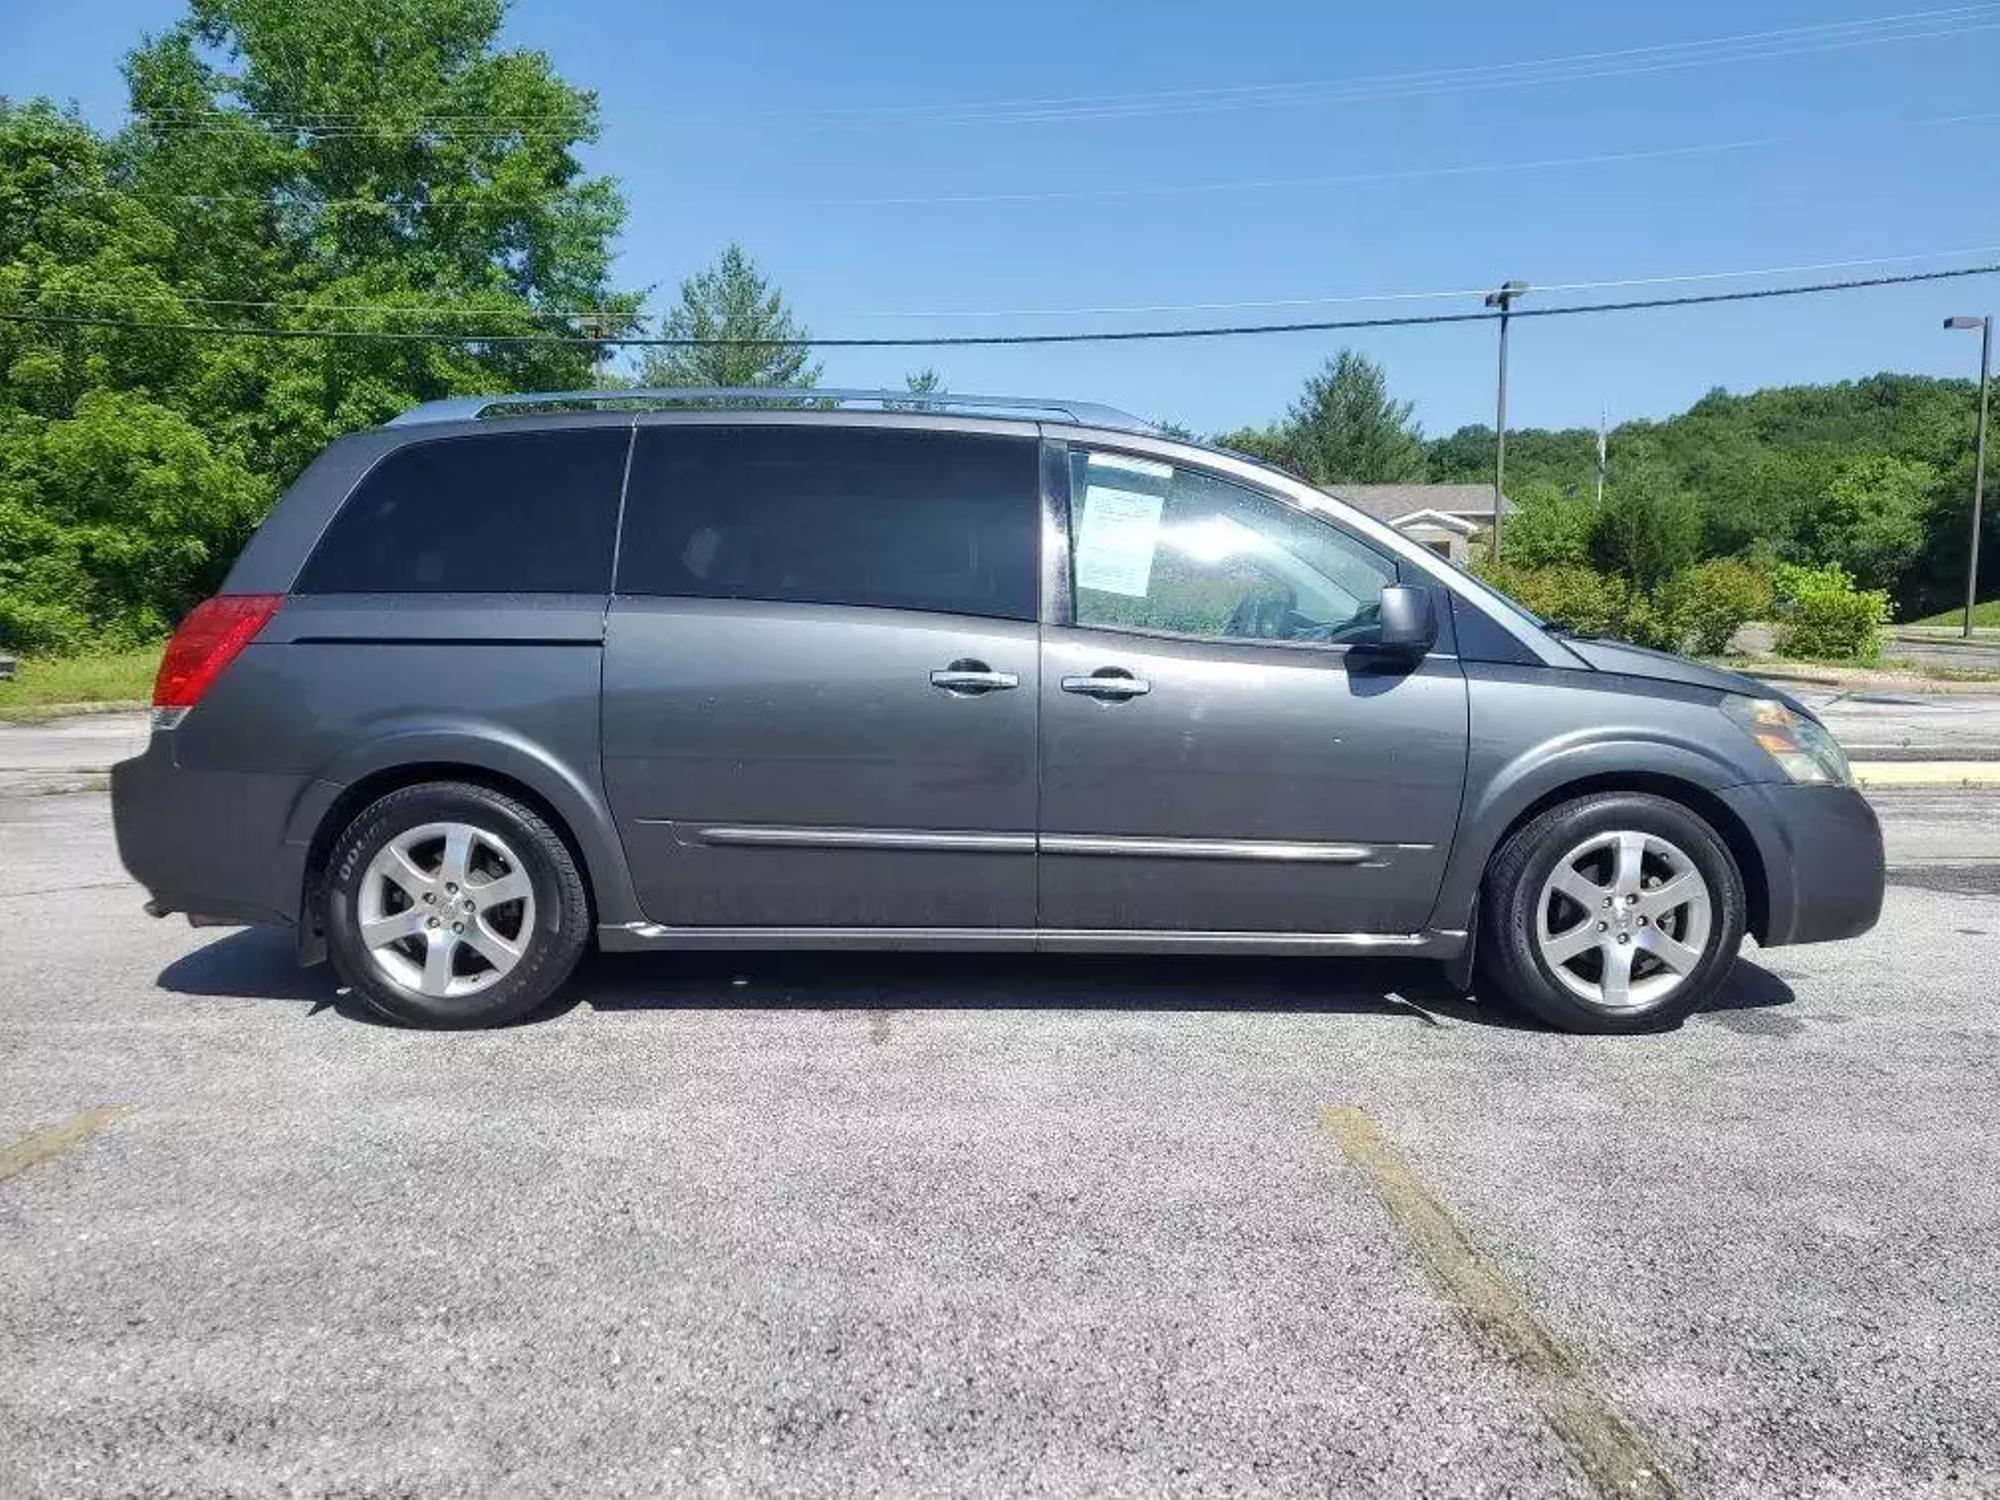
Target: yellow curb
[[1933, 773]]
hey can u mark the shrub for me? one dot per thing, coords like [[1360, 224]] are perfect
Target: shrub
[[1822, 614], [1711, 601], [1548, 528], [1577, 599]]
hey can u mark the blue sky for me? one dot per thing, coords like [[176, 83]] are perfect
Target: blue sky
[[784, 125]]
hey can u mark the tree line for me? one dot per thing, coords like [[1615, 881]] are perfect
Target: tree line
[[384, 167]]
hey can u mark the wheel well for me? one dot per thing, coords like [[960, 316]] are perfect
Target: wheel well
[[359, 794], [1704, 804]]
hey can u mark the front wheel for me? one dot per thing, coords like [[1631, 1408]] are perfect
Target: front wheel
[[450, 904], [1616, 912]]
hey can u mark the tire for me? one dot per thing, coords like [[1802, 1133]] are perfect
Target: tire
[[411, 925], [1576, 950]]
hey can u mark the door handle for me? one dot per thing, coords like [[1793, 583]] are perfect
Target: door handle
[[1109, 685], [970, 678]]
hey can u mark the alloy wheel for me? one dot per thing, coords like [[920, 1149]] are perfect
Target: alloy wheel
[[1623, 919], [446, 909]]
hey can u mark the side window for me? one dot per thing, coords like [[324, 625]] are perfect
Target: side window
[[827, 515], [1159, 547], [505, 512]]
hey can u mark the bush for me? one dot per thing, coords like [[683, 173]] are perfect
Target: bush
[[1822, 614], [1577, 599], [1549, 529], [1711, 601]]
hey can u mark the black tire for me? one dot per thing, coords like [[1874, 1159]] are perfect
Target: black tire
[[556, 937], [1510, 960]]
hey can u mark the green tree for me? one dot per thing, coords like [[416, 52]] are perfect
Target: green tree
[[1648, 529], [115, 509], [1870, 519], [1345, 427], [1549, 528], [1273, 445], [339, 160], [378, 165], [731, 300]]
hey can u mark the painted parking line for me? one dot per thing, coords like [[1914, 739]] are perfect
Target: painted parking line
[[65, 1135], [1927, 773], [1605, 1444]]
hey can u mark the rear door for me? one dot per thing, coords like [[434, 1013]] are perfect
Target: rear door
[[1220, 750], [820, 676]]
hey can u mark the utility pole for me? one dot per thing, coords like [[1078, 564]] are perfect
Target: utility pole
[[597, 327], [1985, 327], [1603, 449], [1504, 300]]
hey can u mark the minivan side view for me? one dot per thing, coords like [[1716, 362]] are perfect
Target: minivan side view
[[824, 669]]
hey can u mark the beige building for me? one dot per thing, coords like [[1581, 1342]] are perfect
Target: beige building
[[1447, 518]]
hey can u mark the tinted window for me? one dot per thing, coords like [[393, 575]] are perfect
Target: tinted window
[[1162, 548], [822, 515], [518, 512]]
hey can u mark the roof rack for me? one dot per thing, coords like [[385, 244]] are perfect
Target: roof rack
[[1082, 413]]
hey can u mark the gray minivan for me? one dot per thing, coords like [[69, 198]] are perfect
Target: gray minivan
[[773, 669]]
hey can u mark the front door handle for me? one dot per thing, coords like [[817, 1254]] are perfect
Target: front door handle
[[1109, 685], [967, 677]]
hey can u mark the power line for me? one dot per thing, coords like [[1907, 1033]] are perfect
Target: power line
[[1751, 46], [1349, 179], [1808, 32], [1453, 293], [1125, 336], [1579, 67], [1441, 294], [1409, 174]]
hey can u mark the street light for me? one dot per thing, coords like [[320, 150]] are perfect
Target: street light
[[1504, 300], [1985, 327]]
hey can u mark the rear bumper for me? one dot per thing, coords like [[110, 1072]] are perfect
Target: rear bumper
[[210, 844], [1822, 858]]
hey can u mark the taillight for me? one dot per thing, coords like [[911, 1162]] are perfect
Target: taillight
[[208, 641]]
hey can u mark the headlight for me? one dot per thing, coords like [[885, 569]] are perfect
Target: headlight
[[1799, 744]]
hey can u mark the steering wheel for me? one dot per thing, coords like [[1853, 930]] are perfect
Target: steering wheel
[[1263, 618]]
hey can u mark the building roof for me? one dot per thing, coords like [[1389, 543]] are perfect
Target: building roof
[[1393, 502]]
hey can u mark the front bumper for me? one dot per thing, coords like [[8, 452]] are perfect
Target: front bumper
[[1821, 850], [207, 843]]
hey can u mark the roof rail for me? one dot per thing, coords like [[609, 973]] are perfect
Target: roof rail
[[1082, 413]]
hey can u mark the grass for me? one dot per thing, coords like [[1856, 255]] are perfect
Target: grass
[[41, 686], [1985, 612]]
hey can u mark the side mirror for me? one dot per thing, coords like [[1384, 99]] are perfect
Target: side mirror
[[1409, 620]]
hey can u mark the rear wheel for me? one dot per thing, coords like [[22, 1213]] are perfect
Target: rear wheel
[[450, 904], [1616, 912]]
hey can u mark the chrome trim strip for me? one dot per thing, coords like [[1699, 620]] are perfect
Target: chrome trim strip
[[1257, 849], [930, 840], [1433, 943], [919, 839]]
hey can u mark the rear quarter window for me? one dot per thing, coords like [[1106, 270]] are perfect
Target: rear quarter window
[[519, 512]]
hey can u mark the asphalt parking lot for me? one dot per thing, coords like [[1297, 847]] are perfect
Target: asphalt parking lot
[[811, 1225]]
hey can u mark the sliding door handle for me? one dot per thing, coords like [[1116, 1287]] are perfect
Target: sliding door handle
[[972, 678], [1108, 686]]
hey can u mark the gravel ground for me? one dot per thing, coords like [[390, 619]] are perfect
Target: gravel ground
[[812, 1225]]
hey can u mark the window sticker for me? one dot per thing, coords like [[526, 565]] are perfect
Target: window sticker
[[1120, 534]]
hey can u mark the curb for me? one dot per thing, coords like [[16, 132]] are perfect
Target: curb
[[1879, 775]]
